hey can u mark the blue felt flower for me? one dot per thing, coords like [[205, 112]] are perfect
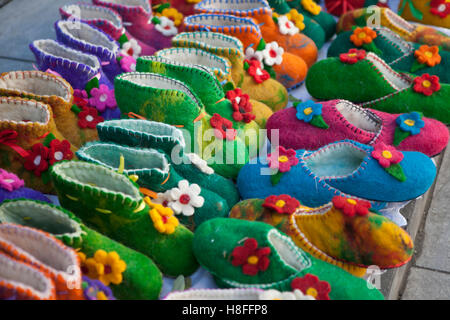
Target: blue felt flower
[[307, 110], [410, 122]]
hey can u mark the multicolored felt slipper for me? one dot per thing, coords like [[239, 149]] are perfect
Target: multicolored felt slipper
[[246, 74], [344, 233], [12, 187], [366, 79], [112, 204], [130, 275], [345, 120], [435, 12], [346, 167], [250, 254], [399, 54]]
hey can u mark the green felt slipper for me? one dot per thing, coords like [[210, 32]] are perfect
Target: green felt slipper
[[366, 79], [191, 204], [249, 254], [111, 203], [398, 53], [169, 140], [130, 275], [163, 99]]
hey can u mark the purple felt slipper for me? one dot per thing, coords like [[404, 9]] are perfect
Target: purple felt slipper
[[11, 187]]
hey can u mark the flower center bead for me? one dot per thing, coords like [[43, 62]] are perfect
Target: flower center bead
[[288, 25], [8, 181], [429, 54], [259, 72], [130, 52], [89, 118], [351, 201], [410, 122], [164, 219], [58, 155], [441, 8], [37, 160], [352, 55], [280, 203], [273, 53], [362, 35], [184, 199], [308, 111], [387, 154], [238, 100], [167, 27], [103, 97], [283, 159], [107, 269], [84, 270], [252, 260], [311, 292], [426, 84]]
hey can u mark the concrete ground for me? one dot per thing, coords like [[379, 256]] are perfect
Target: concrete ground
[[427, 276]]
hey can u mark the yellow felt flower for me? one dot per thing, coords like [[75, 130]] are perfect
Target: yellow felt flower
[[193, 1], [162, 217], [297, 18], [90, 267], [311, 7], [173, 14], [112, 266]]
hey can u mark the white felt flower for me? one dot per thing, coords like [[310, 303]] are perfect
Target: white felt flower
[[186, 198], [286, 26], [273, 54], [201, 164], [131, 48], [163, 198], [166, 26], [250, 54], [288, 295]]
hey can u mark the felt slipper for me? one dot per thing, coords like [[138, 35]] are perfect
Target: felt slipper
[[130, 275], [389, 19], [367, 80], [110, 23], [435, 12], [49, 255], [396, 52], [12, 187], [379, 173], [186, 7], [250, 254], [339, 7], [289, 69], [72, 121], [163, 99], [30, 141], [345, 120], [281, 30], [191, 204], [248, 75], [170, 141], [344, 233], [20, 281], [111, 203]]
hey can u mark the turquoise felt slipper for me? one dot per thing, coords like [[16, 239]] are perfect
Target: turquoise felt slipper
[[250, 254], [366, 79]]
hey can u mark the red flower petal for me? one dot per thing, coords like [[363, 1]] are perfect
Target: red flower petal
[[250, 270]]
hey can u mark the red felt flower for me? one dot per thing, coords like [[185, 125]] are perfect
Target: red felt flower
[[286, 159], [282, 203], [352, 56], [311, 285], [386, 155], [223, 127], [37, 159], [242, 107], [256, 71], [250, 257], [426, 84], [350, 207], [60, 150], [88, 118], [80, 98], [440, 8]]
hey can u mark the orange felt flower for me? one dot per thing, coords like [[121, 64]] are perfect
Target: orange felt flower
[[362, 36], [428, 55]]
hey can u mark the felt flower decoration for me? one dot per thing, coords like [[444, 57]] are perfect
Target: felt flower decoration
[[89, 118], [252, 54], [254, 69], [223, 127], [363, 37], [440, 8], [350, 207], [426, 84], [273, 54], [162, 217], [426, 56], [383, 3], [172, 14], [96, 290], [201, 164], [108, 266], [80, 98], [102, 98], [286, 26], [285, 160], [163, 199], [131, 48], [9, 181], [273, 294], [165, 26], [407, 124], [310, 285], [242, 107], [89, 267], [250, 257], [127, 63], [311, 7], [193, 1], [297, 18], [37, 160], [352, 56], [186, 198], [310, 112], [282, 204], [59, 151], [389, 158]]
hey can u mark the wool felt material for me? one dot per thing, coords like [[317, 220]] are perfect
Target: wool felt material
[[339, 7], [11, 187], [435, 12], [292, 70], [260, 11], [341, 167], [24, 124], [156, 174], [105, 19], [111, 204], [389, 19], [216, 240], [47, 254], [269, 92], [372, 83], [186, 7], [21, 281], [170, 141], [396, 52], [352, 243], [163, 99], [349, 121], [54, 91], [140, 280]]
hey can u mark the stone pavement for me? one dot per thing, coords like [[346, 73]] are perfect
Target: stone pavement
[[427, 276]]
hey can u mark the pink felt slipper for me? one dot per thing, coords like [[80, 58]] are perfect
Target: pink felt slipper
[[335, 120]]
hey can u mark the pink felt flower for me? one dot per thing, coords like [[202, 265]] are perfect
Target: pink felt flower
[[127, 63], [386, 155], [286, 159], [9, 181], [102, 97]]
